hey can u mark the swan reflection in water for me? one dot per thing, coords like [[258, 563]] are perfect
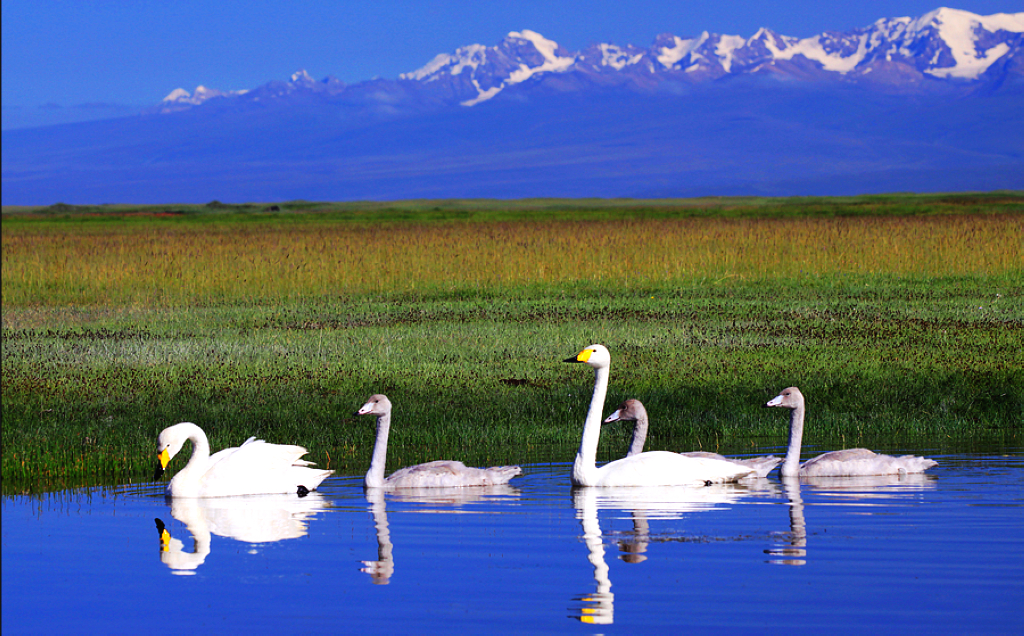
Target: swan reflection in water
[[251, 518], [642, 504], [793, 549], [380, 571]]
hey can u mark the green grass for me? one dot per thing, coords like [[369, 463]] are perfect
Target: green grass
[[924, 351]]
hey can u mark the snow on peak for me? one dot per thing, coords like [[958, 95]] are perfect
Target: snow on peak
[[177, 95], [958, 19], [944, 43], [180, 97], [470, 56], [547, 48], [669, 56], [960, 30], [825, 51], [553, 63], [726, 49], [508, 67], [617, 58]]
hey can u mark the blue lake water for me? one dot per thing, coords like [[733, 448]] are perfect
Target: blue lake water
[[938, 553]]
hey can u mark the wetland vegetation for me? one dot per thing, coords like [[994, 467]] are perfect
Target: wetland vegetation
[[901, 318]]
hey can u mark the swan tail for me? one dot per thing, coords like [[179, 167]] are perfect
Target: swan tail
[[502, 474], [915, 464], [761, 465], [310, 478]]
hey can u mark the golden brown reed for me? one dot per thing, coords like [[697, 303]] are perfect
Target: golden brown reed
[[177, 263]]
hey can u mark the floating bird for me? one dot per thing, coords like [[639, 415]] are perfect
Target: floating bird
[[439, 474], [633, 410], [254, 468], [843, 463], [653, 468]]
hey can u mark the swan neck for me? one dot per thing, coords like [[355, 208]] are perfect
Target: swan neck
[[586, 458], [187, 479], [639, 434], [791, 465], [375, 476], [200, 450]]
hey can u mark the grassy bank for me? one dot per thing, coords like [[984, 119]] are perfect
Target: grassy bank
[[902, 327]]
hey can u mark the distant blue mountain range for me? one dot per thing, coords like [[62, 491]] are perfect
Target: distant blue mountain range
[[934, 103]]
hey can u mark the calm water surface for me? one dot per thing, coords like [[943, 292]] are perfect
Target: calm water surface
[[939, 553]]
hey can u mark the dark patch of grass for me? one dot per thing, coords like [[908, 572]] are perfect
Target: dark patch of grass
[[492, 210]]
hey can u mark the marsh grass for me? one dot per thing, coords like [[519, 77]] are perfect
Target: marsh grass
[[901, 330], [182, 264]]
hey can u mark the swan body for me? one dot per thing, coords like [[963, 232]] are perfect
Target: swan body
[[851, 462], [437, 474], [633, 410], [654, 468], [254, 468]]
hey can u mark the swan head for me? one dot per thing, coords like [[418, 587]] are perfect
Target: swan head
[[375, 405], [628, 411], [790, 398], [169, 444], [595, 355]]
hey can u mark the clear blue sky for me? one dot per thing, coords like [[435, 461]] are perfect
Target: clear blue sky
[[65, 53]]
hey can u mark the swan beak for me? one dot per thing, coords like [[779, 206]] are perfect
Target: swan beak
[[614, 417], [775, 401], [582, 356], [163, 458]]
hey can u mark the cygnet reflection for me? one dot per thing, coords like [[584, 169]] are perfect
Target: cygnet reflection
[[792, 550], [383, 568]]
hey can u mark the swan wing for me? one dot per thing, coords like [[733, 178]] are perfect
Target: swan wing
[[257, 467], [761, 465], [704, 454], [449, 474], [662, 468], [854, 462]]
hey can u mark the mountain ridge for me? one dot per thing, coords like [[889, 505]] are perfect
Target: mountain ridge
[[896, 53], [595, 123]]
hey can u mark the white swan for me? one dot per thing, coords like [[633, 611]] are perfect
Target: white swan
[[654, 468], [439, 474], [844, 463], [254, 468], [633, 410]]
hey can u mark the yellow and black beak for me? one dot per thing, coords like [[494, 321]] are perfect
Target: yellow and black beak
[[582, 356], [163, 458]]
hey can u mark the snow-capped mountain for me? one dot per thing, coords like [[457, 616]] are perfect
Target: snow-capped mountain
[[180, 98], [480, 72], [945, 45]]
